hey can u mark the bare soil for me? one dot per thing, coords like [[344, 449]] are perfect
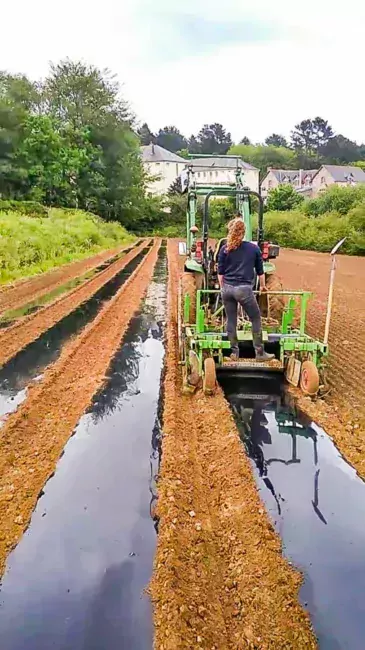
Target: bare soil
[[19, 293], [220, 581], [33, 437], [342, 413], [28, 329]]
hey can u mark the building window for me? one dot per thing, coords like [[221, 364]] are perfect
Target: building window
[[216, 174], [269, 184], [323, 180], [198, 174]]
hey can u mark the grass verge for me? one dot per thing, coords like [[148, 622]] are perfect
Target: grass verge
[[31, 245]]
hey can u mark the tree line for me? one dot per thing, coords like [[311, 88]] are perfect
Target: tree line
[[70, 140], [312, 142]]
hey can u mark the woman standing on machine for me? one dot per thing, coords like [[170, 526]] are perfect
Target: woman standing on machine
[[237, 262]]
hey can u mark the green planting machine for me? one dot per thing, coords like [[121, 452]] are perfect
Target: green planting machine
[[203, 343]]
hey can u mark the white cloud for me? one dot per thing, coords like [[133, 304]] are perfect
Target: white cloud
[[311, 64]]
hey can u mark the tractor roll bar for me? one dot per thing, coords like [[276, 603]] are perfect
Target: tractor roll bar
[[233, 192]]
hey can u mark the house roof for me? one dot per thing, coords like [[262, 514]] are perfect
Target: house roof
[[155, 153], [290, 174], [228, 162], [341, 173]]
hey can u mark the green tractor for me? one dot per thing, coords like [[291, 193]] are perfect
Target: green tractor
[[203, 343]]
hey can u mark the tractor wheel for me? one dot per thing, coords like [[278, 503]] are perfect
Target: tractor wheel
[[274, 304], [193, 375], [189, 288], [210, 376], [309, 378]]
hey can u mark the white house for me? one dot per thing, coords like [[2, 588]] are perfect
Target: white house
[[163, 165], [222, 171]]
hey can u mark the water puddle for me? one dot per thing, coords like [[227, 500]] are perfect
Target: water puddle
[[30, 362], [76, 579], [317, 503]]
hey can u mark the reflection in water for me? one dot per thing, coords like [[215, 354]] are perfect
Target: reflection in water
[[317, 503], [255, 433], [155, 459]]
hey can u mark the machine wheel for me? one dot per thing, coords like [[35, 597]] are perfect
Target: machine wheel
[[309, 378], [210, 376], [193, 375], [189, 287]]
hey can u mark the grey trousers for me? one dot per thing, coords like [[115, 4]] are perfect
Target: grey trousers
[[242, 295]]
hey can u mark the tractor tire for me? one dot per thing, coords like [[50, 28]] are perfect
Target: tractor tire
[[309, 378], [210, 376], [275, 308], [189, 288]]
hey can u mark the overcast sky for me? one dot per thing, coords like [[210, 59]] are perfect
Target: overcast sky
[[256, 67]]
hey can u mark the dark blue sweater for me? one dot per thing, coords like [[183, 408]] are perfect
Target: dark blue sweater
[[239, 266]]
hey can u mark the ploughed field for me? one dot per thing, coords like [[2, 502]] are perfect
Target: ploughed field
[[345, 416], [117, 491]]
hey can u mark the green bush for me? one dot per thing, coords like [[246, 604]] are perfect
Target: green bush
[[30, 208], [283, 198], [335, 199], [221, 211], [297, 230], [30, 245]]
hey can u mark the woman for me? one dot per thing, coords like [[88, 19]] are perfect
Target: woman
[[237, 262]]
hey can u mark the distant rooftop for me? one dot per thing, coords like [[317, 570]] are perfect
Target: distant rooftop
[[217, 162], [343, 173], [291, 175], [155, 153]]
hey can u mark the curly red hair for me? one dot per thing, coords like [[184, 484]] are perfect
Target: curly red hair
[[236, 233]]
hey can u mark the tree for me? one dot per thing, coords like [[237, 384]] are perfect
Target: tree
[[19, 91], [145, 135], [245, 140], [283, 198], [276, 140], [262, 156], [83, 95], [359, 163], [175, 187], [69, 141], [214, 139], [183, 153], [193, 145], [311, 135], [171, 139], [340, 150], [18, 96]]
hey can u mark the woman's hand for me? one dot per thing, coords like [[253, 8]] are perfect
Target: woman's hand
[[263, 287]]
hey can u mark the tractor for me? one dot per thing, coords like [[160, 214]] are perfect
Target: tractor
[[204, 347]]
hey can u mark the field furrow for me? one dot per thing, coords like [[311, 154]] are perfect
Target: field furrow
[[17, 294], [16, 337]]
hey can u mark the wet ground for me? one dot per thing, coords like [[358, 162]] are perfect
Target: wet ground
[[76, 579], [31, 361], [317, 502]]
